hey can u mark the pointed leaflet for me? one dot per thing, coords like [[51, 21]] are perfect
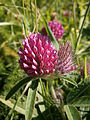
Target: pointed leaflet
[[72, 113], [83, 101], [31, 100], [10, 104], [77, 91], [81, 29], [51, 35], [70, 80], [18, 86]]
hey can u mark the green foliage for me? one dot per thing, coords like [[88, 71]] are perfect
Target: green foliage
[[83, 101], [17, 87], [72, 113], [51, 113], [31, 100], [52, 37], [78, 91], [68, 97]]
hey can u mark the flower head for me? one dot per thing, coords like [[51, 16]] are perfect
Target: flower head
[[56, 28], [65, 63], [37, 56], [65, 13]]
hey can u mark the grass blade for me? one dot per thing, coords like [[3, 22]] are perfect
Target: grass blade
[[31, 14], [81, 29], [25, 21], [51, 35]]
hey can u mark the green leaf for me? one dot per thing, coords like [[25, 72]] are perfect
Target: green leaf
[[81, 29], [40, 98], [18, 86], [31, 100], [82, 102], [6, 23], [72, 113], [51, 35], [11, 105], [70, 80], [77, 91]]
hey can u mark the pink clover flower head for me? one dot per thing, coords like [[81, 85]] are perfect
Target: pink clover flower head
[[56, 28], [65, 62], [65, 13], [38, 56]]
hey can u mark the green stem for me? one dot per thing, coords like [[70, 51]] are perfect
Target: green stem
[[55, 98], [85, 67], [52, 90], [36, 16], [62, 110], [31, 16], [75, 23], [24, 19], [81, 29]]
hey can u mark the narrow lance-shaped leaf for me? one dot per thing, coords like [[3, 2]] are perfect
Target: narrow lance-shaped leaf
[[70, 80], [83, 101], [11, 105], [51, 35], [72, 113], [77, 91], [40, 98], [81, 29], [18, 86], [31, 100]]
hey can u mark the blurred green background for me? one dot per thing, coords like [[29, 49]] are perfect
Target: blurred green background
[[18, 19]]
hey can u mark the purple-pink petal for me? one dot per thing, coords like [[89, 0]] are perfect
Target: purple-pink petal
[[38, 56], [56, 28], [65, 62]]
